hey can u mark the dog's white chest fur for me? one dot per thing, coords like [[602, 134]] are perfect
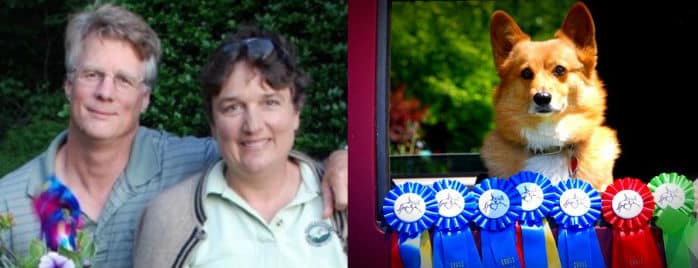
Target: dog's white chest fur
[[554, 166], [546, 135]]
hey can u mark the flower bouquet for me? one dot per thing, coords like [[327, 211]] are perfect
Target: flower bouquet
[[62, 243]]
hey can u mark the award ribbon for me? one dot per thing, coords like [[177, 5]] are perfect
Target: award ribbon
[[395, 260], [425, 251], [499, 206], [537, 195], [694, 245], [410, 208], [627, 205], [453, 243], [673, 195], [576, 212]]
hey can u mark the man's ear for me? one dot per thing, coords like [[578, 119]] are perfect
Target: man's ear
[[146, 101], [68, 88]]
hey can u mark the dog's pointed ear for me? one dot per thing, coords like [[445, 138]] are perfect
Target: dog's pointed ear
[[504, 34], [579, 28]]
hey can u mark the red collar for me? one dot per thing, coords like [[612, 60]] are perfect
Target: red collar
[[573, 166]]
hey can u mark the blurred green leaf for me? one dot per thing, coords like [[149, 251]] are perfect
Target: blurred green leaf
[[36, 250], [75, 257]]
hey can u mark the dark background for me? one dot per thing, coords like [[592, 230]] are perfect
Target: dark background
[[647, 59]]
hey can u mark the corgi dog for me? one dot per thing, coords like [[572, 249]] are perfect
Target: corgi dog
[[549, 106]]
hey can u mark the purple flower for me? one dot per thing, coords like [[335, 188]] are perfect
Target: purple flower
[[55, 260]]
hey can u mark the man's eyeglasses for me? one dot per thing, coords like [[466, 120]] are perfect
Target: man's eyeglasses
[[93, 77], [257, 48]]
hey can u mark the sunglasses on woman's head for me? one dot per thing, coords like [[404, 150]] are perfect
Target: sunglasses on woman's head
[[257, 48]]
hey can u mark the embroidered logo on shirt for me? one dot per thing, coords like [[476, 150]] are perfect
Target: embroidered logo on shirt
[[318, 233]]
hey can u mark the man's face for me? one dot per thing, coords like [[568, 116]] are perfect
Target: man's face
[[106, 92], [253, 123]]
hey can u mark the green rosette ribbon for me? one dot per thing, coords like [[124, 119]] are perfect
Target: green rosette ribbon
[[674, 198], [672, 190], [694, 245]]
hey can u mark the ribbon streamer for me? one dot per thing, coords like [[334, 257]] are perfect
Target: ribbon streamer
[[674, 198], [410, 252], [453, 243], [499, 206], [537, 195], [627, 205], [576, 212], [425, 250], [691, 234], [395, 260], [550, 247]]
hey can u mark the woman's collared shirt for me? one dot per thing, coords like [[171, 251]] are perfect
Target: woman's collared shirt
[[237, 236]]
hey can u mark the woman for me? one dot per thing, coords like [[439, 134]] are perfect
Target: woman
[[260, 206]]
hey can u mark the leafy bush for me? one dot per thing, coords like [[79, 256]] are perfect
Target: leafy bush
[[22, 144], [31, 93]]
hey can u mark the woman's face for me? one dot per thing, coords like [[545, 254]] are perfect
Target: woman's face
[[253, 123]]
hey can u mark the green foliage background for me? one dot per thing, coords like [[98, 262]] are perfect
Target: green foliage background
[[33, 108], [441, 51]]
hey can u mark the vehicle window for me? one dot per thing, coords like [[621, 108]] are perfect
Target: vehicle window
[[441, 79]]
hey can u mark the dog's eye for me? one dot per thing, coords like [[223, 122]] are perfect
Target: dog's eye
[[559, 71], [527, 74]]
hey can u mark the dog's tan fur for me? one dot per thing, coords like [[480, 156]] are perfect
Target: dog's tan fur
[[577, 103]]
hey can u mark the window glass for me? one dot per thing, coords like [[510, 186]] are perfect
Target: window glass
[[441, 80]]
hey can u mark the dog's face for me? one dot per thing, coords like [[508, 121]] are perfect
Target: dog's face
[[545, 82]]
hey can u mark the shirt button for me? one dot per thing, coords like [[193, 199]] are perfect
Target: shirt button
[[279, 223], [201, 234]]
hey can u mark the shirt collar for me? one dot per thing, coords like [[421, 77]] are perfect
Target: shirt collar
[[216, 183], [145, 159], [46, 165], [308, 189], [143, 163], [310, 185]]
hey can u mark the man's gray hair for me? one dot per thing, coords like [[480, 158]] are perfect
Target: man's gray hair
[[113, 22]]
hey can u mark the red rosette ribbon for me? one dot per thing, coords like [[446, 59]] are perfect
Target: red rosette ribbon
[[627, 205]]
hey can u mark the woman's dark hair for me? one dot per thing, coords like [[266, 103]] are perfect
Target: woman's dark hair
[[270, 53]]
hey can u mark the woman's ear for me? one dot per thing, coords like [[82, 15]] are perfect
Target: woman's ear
[[213, 130], [296, 120]]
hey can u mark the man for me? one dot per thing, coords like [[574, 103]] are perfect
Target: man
[[111, 164]]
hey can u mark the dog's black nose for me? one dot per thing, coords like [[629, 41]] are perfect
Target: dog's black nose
[[542, 98]]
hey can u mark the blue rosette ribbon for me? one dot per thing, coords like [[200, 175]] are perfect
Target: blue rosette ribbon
[[410, 209], [498, 208], [576, 213], [453, 244], [538, 197]]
